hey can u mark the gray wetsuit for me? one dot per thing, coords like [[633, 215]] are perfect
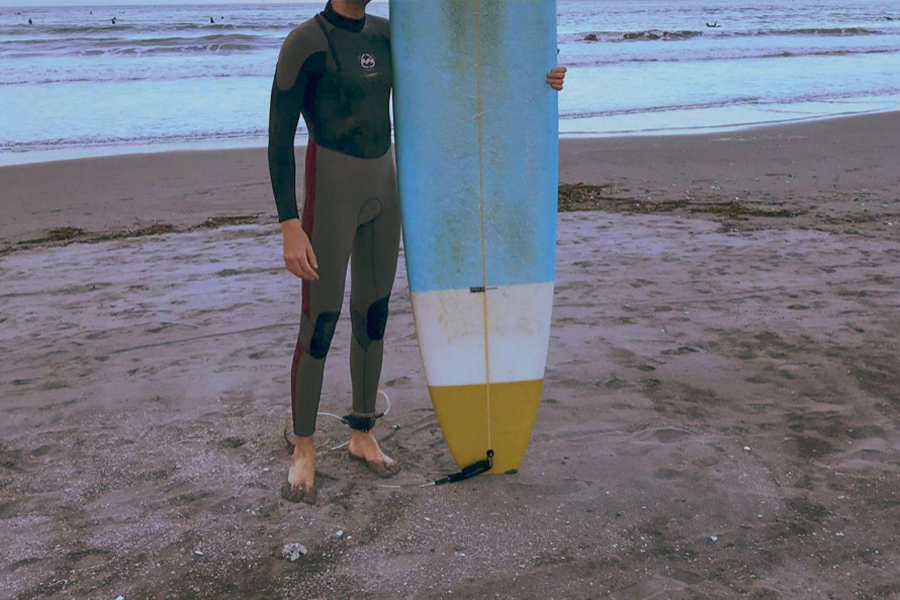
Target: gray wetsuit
[[335, 72]]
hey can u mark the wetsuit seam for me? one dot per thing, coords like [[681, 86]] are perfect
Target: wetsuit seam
[[328, 41], [372, 262], [365, 357], [364, 376], [375, 288]]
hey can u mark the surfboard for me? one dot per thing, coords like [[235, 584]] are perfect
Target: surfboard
[[477, 159]]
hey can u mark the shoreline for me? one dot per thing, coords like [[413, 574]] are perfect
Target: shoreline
[[825, 171], [568, 130]]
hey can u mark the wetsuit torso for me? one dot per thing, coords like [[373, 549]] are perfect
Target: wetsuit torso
[[335, 72]]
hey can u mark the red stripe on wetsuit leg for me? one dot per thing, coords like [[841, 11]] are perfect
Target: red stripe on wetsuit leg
[[295, 365], [309, 200]]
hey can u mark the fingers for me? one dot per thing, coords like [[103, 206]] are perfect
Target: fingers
[[311, 257], [299, 257], [299, 266], [307, 269], [556, 77]]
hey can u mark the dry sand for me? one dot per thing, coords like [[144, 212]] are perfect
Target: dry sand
[[720, 416]]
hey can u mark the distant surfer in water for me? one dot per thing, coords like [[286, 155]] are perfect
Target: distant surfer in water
[[714, 25], [334, 70]]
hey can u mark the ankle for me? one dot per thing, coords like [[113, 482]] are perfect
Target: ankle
[[304, 447], [362, 436]]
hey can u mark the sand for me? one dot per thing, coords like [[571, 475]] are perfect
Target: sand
[[720, 416], [841, 170]]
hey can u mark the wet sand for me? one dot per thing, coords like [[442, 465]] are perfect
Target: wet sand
[[720, 416], [841, 171]]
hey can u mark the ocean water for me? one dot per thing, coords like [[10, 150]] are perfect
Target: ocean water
[[161, 77]]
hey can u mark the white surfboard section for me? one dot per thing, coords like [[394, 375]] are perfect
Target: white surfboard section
[[450, 327]]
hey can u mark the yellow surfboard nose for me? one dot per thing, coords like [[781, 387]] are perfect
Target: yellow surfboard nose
[[461, 412]]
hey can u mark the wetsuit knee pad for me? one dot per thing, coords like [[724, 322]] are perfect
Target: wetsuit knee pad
[[323, 332], [370, 328], [376, 320]]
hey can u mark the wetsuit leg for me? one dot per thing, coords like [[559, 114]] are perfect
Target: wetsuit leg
[[329, 219], [373, 266], [350, 208]]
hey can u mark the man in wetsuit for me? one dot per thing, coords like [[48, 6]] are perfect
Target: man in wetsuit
[[334, 70]]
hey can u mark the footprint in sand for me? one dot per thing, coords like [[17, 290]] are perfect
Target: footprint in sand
[[668, 474], [668, 436], [812, 447]]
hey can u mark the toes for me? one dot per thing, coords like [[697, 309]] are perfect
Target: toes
[[385, 469], [379, 469], [298, 494], [290, 493]]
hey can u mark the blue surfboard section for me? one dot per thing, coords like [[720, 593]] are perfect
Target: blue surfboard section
[[474, 118]]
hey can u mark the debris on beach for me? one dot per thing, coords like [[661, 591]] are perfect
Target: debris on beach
[[225, 220], [58, 234], [293, 551], [581, 196], [68, 234], [610, 197]]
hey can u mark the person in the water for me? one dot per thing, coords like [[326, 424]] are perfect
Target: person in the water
[[334, 70]]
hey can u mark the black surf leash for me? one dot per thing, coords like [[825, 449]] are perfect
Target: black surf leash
[[482, 466]]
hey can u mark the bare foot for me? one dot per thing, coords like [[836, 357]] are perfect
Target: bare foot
[[300, 485], [364, 448]]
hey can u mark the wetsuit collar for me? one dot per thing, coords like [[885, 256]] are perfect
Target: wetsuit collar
[[342, 22]]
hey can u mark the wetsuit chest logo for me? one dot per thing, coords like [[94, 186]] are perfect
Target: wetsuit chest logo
[[367, 61]]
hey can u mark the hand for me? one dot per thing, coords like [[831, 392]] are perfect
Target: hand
[[299, 257], [555, 77]]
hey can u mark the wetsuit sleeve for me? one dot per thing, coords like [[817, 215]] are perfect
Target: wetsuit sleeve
[[298, 66]]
